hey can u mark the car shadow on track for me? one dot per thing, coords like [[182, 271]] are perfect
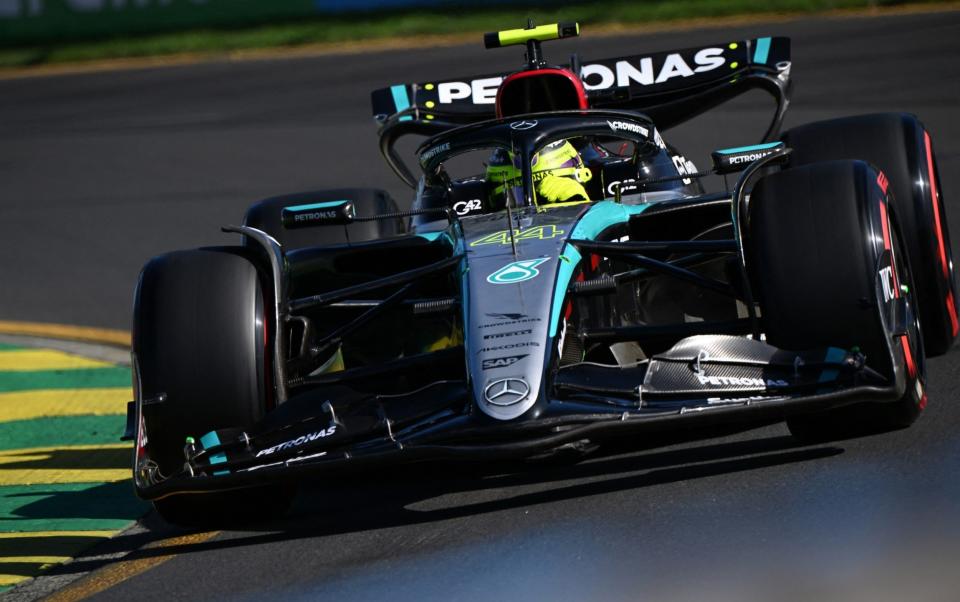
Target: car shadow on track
[[417, 495]]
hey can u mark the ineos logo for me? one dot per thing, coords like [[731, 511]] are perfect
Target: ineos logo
[[523, 125], [506, 391]]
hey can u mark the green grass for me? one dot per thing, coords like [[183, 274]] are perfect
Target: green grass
[[407, 24]]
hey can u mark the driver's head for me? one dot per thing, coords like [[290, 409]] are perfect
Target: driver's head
[[558, 174]]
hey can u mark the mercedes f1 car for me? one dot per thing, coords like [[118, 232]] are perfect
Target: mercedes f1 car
[[561, 279]]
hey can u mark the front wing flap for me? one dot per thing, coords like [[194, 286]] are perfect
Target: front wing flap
[[697, 383]]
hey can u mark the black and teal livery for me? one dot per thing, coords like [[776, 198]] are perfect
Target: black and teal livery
[[486, 321]]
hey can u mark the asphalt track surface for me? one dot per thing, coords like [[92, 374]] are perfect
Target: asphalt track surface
[[99, 172]]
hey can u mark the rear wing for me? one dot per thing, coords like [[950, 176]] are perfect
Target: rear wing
[[669, 87]]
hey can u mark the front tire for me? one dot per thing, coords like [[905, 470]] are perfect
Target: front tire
[[899, 145], [199, 339], [821, 237]]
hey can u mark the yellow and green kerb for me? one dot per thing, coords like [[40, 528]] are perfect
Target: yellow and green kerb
[[64, 475]]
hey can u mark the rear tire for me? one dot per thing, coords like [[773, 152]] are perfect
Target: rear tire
[[199, 339], [266, 215], [815, 255], [900, 147]]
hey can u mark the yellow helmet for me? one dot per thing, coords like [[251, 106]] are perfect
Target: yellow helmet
[[558, 173]]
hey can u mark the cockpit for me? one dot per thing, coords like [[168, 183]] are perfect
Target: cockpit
[[547, 160]]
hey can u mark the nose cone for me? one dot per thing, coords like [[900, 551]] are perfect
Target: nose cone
[[508, 325]]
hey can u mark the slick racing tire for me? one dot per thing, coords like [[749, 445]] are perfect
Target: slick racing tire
[[898, 145], [822, 239], [199, 344], [266, 215]]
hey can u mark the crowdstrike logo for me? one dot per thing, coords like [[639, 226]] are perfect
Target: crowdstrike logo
[[626, 126], [433, 152]]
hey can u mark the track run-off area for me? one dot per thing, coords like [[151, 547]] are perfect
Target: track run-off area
[[101, 171], [64, 474]]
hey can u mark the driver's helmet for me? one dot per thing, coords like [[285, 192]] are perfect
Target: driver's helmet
[[558, 174]]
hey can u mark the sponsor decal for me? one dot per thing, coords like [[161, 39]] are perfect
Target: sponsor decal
[[882, 182], [625, 186], [513, 322], [626, 126], [523, 125], [517, 271], [509, 346], [506, 391], [747, 158], [433, 152], [889, 284], [718, 381], [503, 335], [643, 71], [731, 400], [658, 140], [480, 91], [684, 167], [315, 215], [501, 362], [507, 316], [503, 236], [298, 441], [465, 207]]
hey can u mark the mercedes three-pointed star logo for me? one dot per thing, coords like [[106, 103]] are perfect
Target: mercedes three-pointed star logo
[[506, 391], [523, 125]]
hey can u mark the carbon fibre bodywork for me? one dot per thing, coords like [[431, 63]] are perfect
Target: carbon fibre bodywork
[[522, 329]]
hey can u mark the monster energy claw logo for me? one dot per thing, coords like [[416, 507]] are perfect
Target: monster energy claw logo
[[518, 271]]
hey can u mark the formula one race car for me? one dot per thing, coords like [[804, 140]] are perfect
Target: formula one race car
[[561, 279]]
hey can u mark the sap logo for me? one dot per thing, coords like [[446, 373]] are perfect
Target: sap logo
[[601, 77], [889, 284], [501, 362], [718, 381], [479, 91]]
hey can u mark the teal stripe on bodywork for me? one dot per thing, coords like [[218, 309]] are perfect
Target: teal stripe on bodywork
[[209, 440], [568, 263], [316, 205], [435, 236], [834, 356], [762, 51], [401, 100], [752, 147], [598, 218], [601, 216]]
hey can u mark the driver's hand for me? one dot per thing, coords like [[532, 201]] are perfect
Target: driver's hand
[[558, 189]]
